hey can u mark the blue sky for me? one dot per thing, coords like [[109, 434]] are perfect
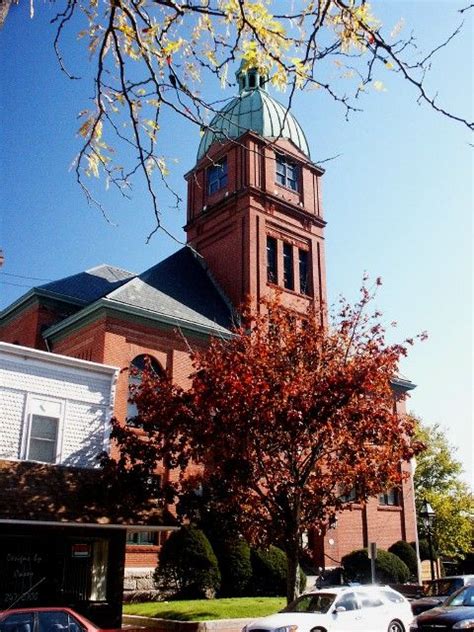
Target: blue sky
[[398, 199]]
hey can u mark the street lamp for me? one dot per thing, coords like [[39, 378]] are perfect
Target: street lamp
[[427, 516]]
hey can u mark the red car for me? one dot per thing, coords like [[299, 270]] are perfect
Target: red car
[[45, 620]]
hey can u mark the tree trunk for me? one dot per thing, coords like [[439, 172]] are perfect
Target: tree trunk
[[292, 555]]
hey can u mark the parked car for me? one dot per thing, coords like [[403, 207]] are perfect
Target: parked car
[[342, 609], [437, 590], [456, 613], [45, 620]]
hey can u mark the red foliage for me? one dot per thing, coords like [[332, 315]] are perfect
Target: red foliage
[[285, 417]]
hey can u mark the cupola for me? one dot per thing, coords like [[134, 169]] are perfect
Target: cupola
[[253, 110]]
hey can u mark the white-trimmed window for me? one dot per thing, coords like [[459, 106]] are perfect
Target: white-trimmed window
[[287, 172], [43, 430]]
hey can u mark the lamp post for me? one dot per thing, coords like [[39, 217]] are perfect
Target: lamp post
[[427, 516]]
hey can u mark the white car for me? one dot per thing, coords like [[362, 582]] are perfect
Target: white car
[[344, 609]]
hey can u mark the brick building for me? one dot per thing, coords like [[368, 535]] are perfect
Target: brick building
[[254, 222]]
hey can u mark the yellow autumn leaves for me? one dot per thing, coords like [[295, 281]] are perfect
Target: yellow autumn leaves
[[175, 41]]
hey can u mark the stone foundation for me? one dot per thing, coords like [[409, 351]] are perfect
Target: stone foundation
[[138, 579]]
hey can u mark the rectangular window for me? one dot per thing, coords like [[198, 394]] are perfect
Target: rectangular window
[[288, 276], [390, 497], [43, 439], [287, 173], [349, 495], [303, 261], [143, 538], [217, 176], [272, 260]]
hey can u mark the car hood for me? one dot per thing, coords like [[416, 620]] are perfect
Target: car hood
[[281, 619], [426, 602], [446, 614]]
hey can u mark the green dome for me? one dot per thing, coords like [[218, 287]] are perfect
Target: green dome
[[254, 109]]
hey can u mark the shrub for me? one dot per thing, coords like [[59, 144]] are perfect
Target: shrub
[[406, 553], [270, 571], [187, 565], [388, 567], [424, 549], [236, 568]]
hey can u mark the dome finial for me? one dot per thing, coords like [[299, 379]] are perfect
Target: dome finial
[[250, 78]]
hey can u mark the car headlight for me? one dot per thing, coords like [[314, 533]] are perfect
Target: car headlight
[[467, 624]]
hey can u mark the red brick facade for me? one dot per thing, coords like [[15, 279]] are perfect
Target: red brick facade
[[229, 228], [25, 325]]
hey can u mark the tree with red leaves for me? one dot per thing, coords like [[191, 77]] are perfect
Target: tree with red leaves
[[284, 418]]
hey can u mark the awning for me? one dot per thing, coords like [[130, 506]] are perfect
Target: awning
[[55, 495]]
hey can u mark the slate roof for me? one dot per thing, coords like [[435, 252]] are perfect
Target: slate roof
[[177, 291], [90, 285], [179, 288]]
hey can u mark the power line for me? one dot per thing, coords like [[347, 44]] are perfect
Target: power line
[[15, 284], [20, 276]]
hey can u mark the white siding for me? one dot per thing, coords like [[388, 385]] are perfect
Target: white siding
[[85, 393]]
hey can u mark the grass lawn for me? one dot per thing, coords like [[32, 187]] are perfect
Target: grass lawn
[[203, 609]]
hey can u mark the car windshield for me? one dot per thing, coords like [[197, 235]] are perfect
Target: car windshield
[[443, 587], [320, 602], [464, 597]]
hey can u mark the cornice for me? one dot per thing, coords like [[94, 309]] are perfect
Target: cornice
[[106, 306]]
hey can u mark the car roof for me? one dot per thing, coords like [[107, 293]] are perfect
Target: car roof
[[339, 590], [42, 609], [441, 579]]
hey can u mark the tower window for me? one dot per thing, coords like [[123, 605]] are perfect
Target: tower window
[[303, 262], [271, 260], [217, 176], [287, 172], [288, 276]]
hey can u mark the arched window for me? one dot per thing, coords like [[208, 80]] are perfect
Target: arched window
[[136, 368]]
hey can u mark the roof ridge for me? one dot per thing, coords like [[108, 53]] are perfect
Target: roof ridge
[[107, 265]]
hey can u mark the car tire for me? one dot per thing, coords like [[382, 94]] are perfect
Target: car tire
[[396, 626], [318, 629]]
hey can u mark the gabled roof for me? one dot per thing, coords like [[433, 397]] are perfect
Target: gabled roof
[[178, 287], [177, 291], [90, 285], [79, 289]]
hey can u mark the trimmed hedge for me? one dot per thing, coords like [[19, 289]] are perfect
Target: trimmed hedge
[[236, 567], [270, 571], [405, 552], [188, 566], [388, 568]]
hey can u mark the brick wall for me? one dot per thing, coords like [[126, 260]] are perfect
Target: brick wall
[[141, 556], [25, 326], [229, 227]]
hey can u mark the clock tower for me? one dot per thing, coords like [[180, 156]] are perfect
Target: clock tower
[[254, 201]]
